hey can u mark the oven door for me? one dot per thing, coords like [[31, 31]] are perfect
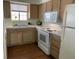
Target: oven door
[[43, 37]]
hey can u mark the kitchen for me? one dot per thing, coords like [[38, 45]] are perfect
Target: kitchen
[[38, 24]]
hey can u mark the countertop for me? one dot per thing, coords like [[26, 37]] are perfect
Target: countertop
[[51, 28], [21, 26]]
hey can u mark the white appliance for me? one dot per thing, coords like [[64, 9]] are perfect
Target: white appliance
[[43, 41], [43, 36], [67, 50], [51, 17]]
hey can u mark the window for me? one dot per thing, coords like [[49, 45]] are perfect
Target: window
[[20, 11], [23, 16]]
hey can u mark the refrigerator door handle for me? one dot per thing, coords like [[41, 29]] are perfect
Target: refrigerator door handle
[[69, 27]]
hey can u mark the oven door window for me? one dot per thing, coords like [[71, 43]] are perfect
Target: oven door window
[[43, 38]]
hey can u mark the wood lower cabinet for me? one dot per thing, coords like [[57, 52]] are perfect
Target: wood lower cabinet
[[55, 45], [29, 35], [21, 36], [16, 38]]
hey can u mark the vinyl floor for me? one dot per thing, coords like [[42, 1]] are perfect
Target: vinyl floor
[[27, 51]]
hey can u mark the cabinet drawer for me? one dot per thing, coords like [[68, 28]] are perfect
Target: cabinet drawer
[[14, 30], [28, 29]]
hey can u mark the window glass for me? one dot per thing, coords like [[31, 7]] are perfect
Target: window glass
[[23, 15], [15, 15], [18, 7]]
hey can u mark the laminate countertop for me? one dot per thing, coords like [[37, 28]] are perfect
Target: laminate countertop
[[51, 28]]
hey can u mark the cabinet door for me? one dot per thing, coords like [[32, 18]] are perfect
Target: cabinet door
[[6, 7], [29, 36], [55, 45], [62, 6], [56, 5], [42, 10], [34, 11], [15, 38], [49, 6]]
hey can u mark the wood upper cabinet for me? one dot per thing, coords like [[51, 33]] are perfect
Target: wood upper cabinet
[[52, 5], [49, 6], [42, 10], [6, 8], [62, 6], [56, 5], [34, 11]]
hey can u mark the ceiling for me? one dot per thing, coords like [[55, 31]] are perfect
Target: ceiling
[[30, 1]]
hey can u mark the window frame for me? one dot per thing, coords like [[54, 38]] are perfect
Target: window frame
[[28, 10]]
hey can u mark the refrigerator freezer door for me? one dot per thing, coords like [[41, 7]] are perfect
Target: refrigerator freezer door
[[67, 50], [69, 19]]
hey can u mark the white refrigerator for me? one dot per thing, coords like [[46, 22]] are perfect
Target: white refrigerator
[[67, 50]]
